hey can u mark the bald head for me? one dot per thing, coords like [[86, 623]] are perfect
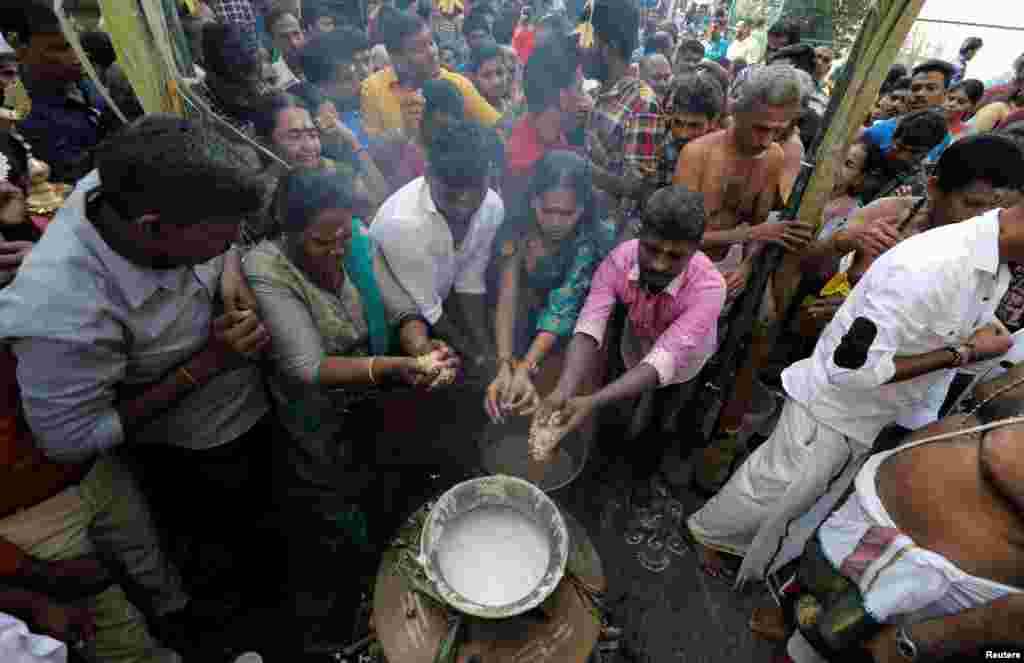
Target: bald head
[[656, 70]]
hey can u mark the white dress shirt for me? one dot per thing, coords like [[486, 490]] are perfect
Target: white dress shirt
[[419, 248], [84, 320], [928, 292]]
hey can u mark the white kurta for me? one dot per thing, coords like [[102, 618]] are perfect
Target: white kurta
[[930, 291]]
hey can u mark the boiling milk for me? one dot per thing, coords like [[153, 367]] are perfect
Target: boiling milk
[[494, 555]]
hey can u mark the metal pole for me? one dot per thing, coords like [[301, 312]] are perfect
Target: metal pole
[[1018, 28]]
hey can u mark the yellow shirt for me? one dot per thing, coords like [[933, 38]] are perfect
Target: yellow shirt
[[382, 111]]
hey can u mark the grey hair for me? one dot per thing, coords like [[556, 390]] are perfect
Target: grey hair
[[647, 63], [773, 85]]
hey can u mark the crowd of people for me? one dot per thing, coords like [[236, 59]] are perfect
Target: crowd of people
[[201, 345]]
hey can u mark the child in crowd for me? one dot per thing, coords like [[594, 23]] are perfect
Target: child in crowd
[[961, 101]]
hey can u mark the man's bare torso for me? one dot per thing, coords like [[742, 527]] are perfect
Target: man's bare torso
[[942, 496], [737, 190]]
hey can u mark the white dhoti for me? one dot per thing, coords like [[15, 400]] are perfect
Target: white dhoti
[[901, 583], [803, 464]]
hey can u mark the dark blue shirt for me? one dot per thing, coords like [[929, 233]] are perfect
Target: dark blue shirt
[[63, 128]]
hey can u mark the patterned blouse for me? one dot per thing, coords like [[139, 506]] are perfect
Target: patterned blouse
[[308, 325], [559, 283]]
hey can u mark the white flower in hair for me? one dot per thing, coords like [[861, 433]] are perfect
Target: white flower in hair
[[5, 167]]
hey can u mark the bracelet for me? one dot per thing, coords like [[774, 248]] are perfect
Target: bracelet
[[184, 373], [532, 369], [373, 379], [510, 361], [959, 358]]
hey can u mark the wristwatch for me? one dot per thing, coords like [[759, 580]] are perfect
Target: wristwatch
[[905, 645]]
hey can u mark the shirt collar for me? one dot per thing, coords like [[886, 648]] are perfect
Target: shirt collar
[[674, 286], [138, 283], [426, 201], [985, 243]]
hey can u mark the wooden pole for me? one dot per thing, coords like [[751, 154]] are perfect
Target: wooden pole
[[883, 32]]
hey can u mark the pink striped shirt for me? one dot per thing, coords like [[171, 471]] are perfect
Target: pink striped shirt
[[674, 331]]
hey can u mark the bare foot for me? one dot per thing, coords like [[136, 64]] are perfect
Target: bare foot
[[769, 623], [713, 563]]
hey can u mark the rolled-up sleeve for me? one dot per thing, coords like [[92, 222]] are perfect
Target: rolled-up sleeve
[[398, 304], [686, 345], [895, 302], [593, 319], [68, 392]]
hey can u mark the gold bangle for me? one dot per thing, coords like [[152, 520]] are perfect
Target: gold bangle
[[373, 379], [188, 376]]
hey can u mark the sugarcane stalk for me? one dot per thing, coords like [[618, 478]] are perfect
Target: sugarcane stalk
[[883, 32]]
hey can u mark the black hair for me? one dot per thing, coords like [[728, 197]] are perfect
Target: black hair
[[556, 24], [800, 56], [698, 93], [562, 169], [225, 51], [945, 68], [26, 18], [550, 69], [265, 118], [674, 213], [921, 129], [899, 85], [424, 8], [789, 27], [972, 87], [897, 72], [442, 97], [460, 152], [177, 168], [324, 52], [99, 48], [617, 22], [971, 44], [716, 72], [485, 52], [995, 158], [394, 27], [303, 193], [276, 15], [475, 21], [692, 46]]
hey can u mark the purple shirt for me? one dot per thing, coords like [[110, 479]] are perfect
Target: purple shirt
[[674, 331]]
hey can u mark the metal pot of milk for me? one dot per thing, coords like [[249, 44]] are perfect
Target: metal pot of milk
[[494, 547]]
